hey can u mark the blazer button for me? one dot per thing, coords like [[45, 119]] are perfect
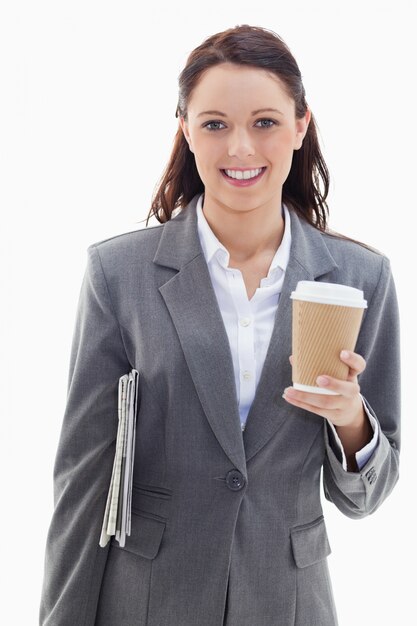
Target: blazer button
[[235, 480]]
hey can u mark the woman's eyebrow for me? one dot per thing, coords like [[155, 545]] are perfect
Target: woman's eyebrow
[[224, 114]]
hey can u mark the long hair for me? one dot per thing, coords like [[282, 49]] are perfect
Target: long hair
[[255, 47]]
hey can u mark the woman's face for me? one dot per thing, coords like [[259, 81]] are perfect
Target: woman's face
[[235, 135]]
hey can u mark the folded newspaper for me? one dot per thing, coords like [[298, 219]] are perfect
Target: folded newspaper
[[117, 515]]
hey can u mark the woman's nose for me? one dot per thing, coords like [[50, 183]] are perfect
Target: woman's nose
[[240, 144]]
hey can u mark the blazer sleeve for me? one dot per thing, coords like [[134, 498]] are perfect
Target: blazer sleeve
[[358, 494], [74, 561]]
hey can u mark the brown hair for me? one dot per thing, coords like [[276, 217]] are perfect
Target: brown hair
[[256, 47]]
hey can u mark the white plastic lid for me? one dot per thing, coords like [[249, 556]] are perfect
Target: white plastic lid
[[329, 293]]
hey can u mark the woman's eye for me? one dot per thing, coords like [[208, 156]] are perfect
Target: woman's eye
[[266, 120], [210, 123]]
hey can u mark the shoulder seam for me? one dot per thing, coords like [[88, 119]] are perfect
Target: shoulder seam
[[129, 232], [333, 235]]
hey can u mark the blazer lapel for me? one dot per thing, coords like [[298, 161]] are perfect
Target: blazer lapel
[[269, 410], [192, 304], [309, 259], [191, 300]]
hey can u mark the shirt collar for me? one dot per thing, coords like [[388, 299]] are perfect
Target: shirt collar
[[213, 248]]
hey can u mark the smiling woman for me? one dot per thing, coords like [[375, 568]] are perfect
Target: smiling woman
[[227, 523], [242, 143], [284, 144]]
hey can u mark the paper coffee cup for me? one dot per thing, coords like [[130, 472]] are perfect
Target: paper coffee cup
[[326, 320]]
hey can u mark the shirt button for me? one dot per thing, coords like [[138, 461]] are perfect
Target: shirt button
[[247, 375], [244, 321]]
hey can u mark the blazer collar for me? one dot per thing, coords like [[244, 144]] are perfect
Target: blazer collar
[[180, 243], [191, 301]]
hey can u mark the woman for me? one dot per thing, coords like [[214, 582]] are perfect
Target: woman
[[227, 526]]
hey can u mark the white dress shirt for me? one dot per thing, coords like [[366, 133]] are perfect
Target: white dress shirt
[[249, 323]]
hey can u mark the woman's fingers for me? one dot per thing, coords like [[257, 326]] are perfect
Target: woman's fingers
[[349, 387], [342, 407], [355, 361], [316, 400], [342, 410]]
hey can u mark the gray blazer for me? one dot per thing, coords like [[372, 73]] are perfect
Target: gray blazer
[[227, 527]]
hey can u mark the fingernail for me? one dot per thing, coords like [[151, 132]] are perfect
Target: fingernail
[[323, 380], [344, 354]]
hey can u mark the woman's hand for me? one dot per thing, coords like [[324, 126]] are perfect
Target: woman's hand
[[345, 409]]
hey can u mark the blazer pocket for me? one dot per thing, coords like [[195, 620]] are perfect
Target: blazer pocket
[[310, 543], [145, 536], [151, 500]]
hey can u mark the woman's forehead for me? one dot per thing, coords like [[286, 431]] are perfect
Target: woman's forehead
[[231, 88]]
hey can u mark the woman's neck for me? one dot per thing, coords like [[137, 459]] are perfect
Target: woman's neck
[[246, 234]]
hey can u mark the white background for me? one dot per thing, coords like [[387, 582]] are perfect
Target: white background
[[88, 99]]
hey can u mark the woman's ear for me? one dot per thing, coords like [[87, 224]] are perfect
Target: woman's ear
[[184, 127], [301, 129]]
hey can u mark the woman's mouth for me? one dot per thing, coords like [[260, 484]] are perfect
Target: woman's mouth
[[244, 178]]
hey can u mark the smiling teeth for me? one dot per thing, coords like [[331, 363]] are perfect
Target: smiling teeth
[[239, 175]]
